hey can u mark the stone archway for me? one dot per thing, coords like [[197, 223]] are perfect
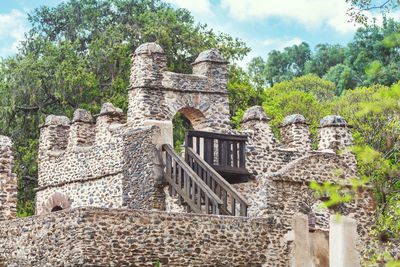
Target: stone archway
[[56, 202], [195, 116]]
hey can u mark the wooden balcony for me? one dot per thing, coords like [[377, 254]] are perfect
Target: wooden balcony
[[225, 153]]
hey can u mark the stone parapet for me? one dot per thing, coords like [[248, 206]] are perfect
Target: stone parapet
[[118, 237]]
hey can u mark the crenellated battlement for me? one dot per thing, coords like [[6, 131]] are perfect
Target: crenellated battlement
[[8, 180], [59, 135]]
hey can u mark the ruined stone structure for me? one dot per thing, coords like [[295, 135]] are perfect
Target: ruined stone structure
[[8, 181], [102, 198]]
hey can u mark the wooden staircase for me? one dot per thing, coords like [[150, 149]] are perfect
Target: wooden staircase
[[199, 186]]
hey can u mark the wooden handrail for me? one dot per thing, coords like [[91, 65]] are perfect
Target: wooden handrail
[[228, 137], [218, 184], [189, 186]]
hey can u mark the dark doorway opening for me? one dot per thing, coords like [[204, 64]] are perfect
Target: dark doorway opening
[[56, 208]]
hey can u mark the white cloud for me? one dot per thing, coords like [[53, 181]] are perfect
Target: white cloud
[[12, 29], [201, 7], [281, 43], [311, 13]]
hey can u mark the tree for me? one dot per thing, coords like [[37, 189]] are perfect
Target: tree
[[307, 95], [357, 8], [343, 76], [77, 56], [325, 56]]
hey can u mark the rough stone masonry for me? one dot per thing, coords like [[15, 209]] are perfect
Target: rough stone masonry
[[101, 198]]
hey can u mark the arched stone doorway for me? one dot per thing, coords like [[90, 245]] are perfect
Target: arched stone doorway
[[185, 119]]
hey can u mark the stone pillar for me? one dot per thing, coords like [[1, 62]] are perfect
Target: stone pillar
[[148, 64], [334, 133], [342, 242], [301, 250], [295, 133], [212, 64], [82, 129], [53, 135], [8, 181]]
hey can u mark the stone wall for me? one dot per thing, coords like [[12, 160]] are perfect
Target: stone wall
[[8, 180], [103, 164], [116, 237]]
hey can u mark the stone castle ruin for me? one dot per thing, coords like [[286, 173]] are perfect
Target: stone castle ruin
[[113, 192]]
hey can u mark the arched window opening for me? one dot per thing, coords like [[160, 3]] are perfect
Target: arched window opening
[[56, 208]]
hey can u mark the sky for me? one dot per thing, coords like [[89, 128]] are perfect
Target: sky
[[264, 25]]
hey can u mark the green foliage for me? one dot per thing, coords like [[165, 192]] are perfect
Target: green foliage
[[242, 93], [357, 8], [305, 95], [180, 125], [370, 58], [336, 193]]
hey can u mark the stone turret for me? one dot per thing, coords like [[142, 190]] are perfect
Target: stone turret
[[212, 64], [8, 180], [54, 135], [295, 133], [334, 133], [82, 129], [148, 63], [255, 119]]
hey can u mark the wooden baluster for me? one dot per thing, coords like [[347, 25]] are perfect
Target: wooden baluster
[[207, 204], [213, 183], [235, 154], [225, 199], [198, 145], [214, 208], [224, 155], [173, 191], [198, 197], [187, 183], [243, 209], [193, 195], [180, 183], [228, 153], [168, 163], [209, 150], [188, 143], [242, 155], [220, 151], [233, 208]]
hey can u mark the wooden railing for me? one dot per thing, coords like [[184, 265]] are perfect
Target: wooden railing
[[233, 202], [189, 187], [223, 152]]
